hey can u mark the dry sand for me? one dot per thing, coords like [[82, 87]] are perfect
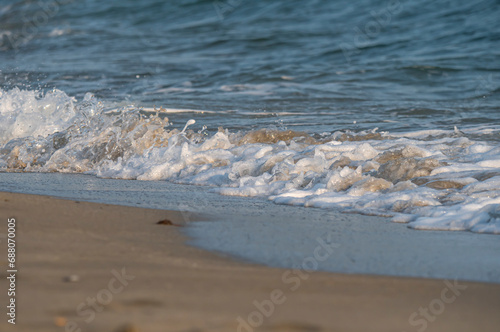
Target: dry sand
[[70, 252]]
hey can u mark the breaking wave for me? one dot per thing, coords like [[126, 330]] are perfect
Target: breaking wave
[[439, 179]]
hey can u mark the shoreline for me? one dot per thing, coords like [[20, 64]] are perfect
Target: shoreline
[[258, 230], [69, 251]]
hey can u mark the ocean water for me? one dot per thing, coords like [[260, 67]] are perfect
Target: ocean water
[[388, 108]]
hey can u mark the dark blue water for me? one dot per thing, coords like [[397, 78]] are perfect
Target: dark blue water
[[307, 65]]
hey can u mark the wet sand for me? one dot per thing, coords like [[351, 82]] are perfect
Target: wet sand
[[97, 267]]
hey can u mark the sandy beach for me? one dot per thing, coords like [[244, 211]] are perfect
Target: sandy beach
[[96, 267]]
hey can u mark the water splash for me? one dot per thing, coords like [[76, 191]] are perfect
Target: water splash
[[429, 179]]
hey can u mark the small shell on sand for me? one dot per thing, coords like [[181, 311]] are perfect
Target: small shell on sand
[[60, 321], [167, 223], [71, 278]]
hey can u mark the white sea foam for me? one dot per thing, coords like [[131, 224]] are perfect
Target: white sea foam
[[28, 113], [441, 180]]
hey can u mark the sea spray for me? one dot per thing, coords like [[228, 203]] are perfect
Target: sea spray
[[440, 179]]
